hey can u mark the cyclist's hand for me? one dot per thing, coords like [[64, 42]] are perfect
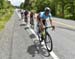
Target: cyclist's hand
[[53, 28], [44, 27]]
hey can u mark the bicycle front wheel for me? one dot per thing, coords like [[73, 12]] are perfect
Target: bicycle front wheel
[[49, 42], [48, 45]]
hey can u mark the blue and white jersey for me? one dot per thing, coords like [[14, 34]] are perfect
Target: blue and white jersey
[[44, 17]]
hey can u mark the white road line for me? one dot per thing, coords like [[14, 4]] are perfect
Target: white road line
[[54, 55], [51, 53], [34, 33]]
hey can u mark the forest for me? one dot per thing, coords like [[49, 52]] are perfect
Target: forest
[[59, 8]]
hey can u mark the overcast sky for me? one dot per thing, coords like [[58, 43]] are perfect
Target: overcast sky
[[16, 2]]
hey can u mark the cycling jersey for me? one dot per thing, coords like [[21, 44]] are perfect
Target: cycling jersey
[[43, 16]]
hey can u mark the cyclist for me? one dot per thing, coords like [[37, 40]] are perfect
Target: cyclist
[[42, 17], [21, 14], [26, 16], [32, 18]]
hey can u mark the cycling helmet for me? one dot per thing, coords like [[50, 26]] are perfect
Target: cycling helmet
[[47, 9]]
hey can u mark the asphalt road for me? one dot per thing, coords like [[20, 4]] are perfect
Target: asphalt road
[[64, 39], [16, 41]]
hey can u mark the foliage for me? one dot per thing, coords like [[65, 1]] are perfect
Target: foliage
[[6, 10], [60, 8]]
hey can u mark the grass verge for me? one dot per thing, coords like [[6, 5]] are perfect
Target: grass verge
[[5, 19]]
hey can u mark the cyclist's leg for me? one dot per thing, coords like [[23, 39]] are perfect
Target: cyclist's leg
[[26, 18], [21, 15], [37, 24], [31, 20], [42, 32], [37, 29]]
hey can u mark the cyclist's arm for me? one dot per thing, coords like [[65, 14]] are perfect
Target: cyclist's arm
[[51, 22], [52, 25], [50, 18]]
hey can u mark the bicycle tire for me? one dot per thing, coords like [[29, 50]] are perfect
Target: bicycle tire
[[50, 38], [50, 44]]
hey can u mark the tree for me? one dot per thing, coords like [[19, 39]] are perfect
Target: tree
[[22, 5], [60, 8], [1, 3]]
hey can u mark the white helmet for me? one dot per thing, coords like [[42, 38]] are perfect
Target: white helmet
[[47, 8]]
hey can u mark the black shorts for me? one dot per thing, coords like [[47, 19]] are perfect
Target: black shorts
[[44, 22]]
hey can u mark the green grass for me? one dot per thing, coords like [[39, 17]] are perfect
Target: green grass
[[5, 19]]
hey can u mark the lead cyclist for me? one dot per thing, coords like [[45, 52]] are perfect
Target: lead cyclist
[[41, 19]]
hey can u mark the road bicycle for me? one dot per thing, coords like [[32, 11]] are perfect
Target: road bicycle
[[44, 35]]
